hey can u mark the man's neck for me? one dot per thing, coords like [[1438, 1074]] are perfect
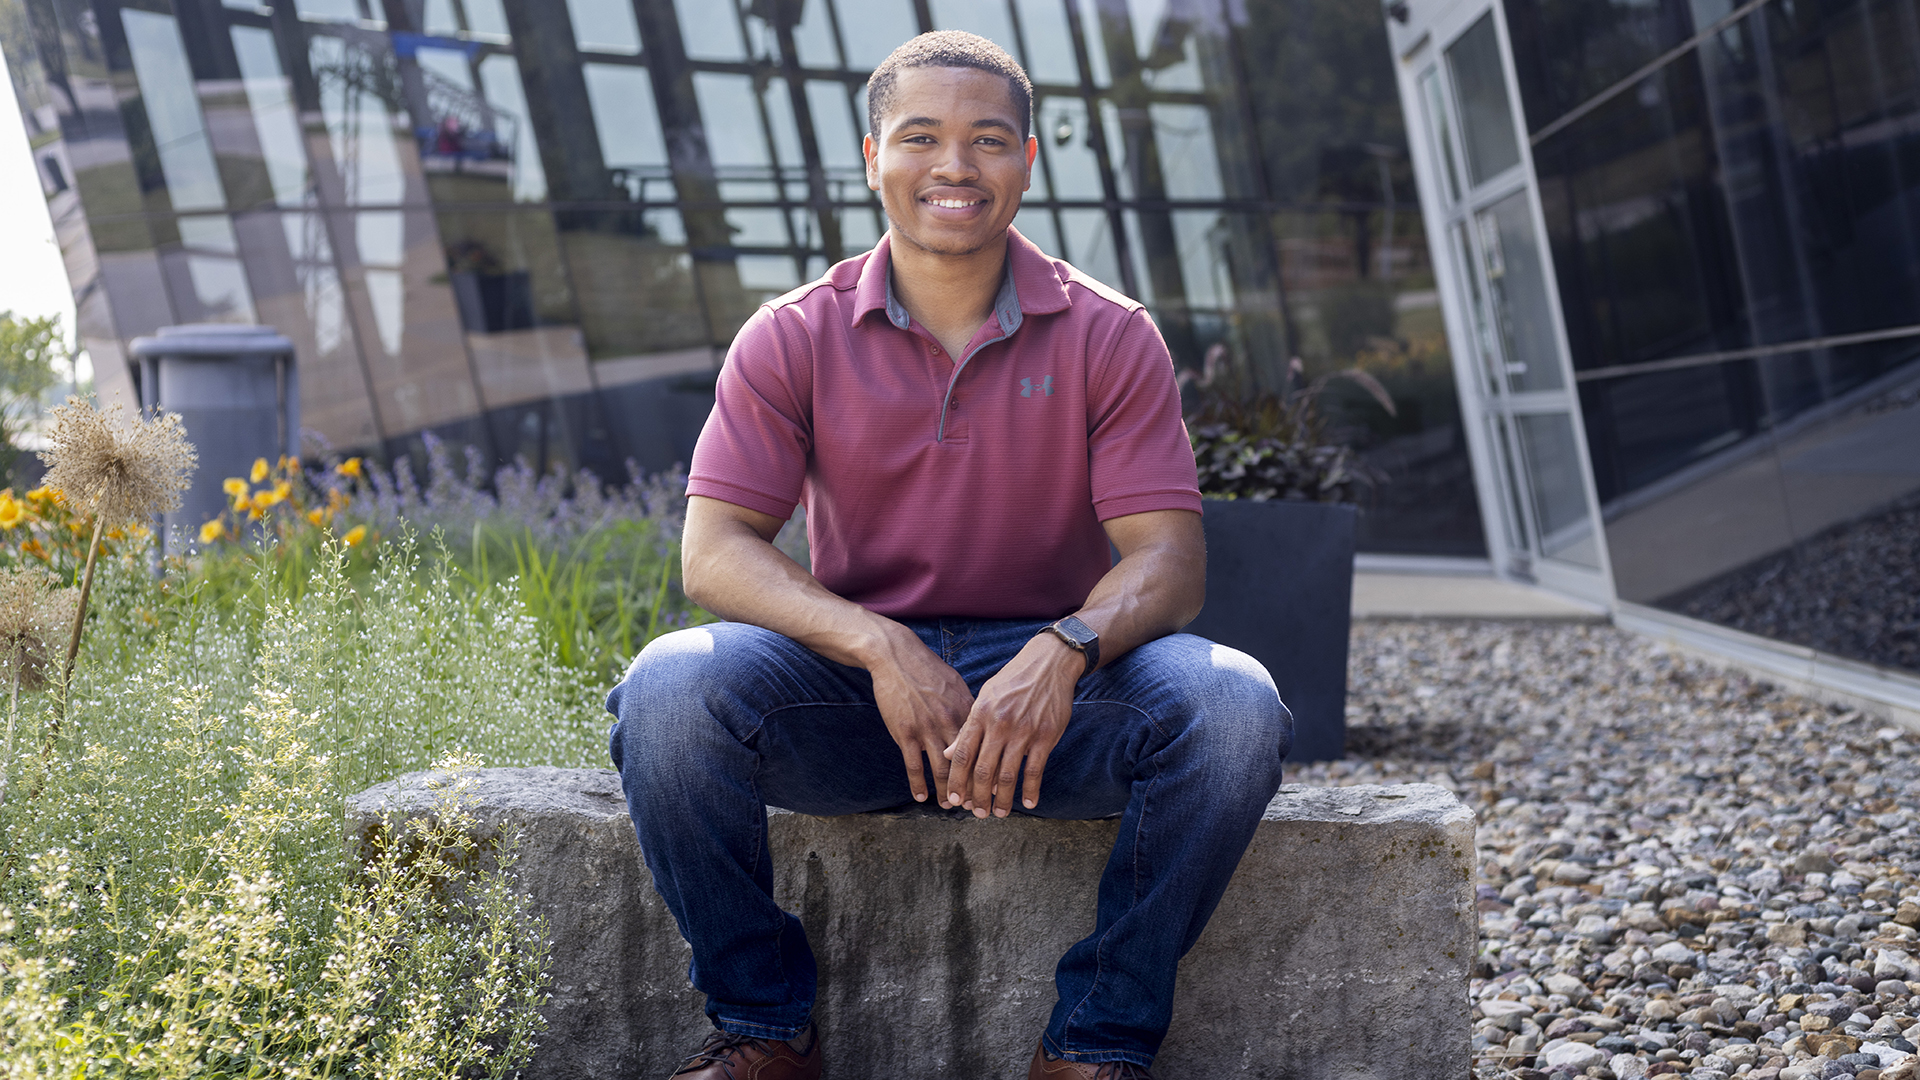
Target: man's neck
[[950, 295]]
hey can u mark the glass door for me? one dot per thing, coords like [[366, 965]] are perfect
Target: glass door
[[1497, 283]]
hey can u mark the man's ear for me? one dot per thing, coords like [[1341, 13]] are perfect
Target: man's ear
[[870, 151], [1033, 147]]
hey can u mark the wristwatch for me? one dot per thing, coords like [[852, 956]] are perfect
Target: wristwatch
[[1080, 638]]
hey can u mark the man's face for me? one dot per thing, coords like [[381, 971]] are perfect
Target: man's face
[[949, 162]]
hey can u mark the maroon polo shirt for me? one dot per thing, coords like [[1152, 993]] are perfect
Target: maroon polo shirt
[[938, 486]]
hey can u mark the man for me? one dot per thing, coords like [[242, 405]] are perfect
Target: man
[[970, 424]]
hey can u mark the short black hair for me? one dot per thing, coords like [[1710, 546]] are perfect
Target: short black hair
[[949, 48]]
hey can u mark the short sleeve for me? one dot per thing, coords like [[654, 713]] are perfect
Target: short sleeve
[[753, 450], [1139, 456]]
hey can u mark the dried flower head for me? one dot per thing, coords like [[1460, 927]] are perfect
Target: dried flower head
[[121, 473], [35, 612]]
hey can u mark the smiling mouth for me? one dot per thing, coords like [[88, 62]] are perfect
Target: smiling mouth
[[953, 204]]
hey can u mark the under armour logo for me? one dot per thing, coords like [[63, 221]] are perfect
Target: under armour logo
[[1046, 387]]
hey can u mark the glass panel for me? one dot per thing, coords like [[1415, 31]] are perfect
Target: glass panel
[[1037, 226], [205, 274], [1440, 123], [1163, 43], [988, 18], [732, 119], [1507, 468], [604, 26], [409, 325], [833, 127], [511, 290], [1559, 495], [328, 10], [1517, 286], [710, 29], [859, 229], [500, 82], [1564, 53], [634, 288], [1096, 45], [1063, 135], [1088, 244], [873, 28], [276, 123], [1049, 59], [438, 18], [1486, 113], [621, 98], [299, 293], [361, 128], [1803, 534], [1635, 217], [486, 17], [813, 36], [173, 110]]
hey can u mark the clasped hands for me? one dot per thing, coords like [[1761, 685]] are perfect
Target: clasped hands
[[983, 750]]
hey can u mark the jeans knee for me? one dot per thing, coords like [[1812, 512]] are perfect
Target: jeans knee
[[1243, 717]]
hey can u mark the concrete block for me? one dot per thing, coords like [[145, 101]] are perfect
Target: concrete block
[[1340, 951]]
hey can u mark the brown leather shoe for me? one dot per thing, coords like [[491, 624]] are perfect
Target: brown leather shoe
[[725, 1056], [1047, 1067]]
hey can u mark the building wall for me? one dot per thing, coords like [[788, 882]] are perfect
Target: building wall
[[1732, 200], [534, 227]]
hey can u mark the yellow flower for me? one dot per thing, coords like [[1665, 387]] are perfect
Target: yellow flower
[[34, 548], [356, 536], [282, 490], [44, 494], [11, 512], [234, 486], [260, 469], [336, 499], [289, 464], [350, 467], [213, 530], [264, 499], [243, 503], [317, 515]]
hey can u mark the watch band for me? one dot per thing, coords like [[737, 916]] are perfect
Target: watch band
[[1079, 637]]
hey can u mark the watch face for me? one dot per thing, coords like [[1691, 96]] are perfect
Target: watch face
[[1076, 632]]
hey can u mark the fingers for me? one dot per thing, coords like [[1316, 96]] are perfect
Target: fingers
[[1036, 764], [959, 757], [986, 774], [916, 773]]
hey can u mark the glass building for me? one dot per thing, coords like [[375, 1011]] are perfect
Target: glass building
[[533, 228], [1678, 244]]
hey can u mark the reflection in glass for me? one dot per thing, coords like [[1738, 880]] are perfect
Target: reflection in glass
[[1486, 112], [500, 82], [813, 36], [833, 126], [381, 240], [1517, 286], [621, 98], [604, 26], [732, 119], [710, 29], [873, 28], [988, 18], [1558, 494], [329, 10], [1063, 134], [173, 110], [1563, 53], [1440, 123], [485, 17], [1088, 243], [216, 281], [634, 290], [276, 123], [360, 125], [1037, 226], [1049, 58]]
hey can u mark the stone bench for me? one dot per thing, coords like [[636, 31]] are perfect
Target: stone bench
[[1341, 949]]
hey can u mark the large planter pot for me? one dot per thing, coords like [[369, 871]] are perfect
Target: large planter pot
[[1280, 588]]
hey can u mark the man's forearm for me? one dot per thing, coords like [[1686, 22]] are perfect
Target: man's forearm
[[735, 572], [1156, 588]]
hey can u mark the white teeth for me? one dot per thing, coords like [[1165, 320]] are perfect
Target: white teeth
[[954, 204]]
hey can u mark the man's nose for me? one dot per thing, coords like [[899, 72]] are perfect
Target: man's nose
[[955, 164]]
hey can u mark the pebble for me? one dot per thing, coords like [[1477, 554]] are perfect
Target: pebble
[[1681, 870]]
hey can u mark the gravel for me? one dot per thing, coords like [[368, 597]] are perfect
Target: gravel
[[1682, 871]]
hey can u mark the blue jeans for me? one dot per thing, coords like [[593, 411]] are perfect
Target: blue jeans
[[1181, 737]]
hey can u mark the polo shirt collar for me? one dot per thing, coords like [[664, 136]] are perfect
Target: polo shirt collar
[[1033, 285]]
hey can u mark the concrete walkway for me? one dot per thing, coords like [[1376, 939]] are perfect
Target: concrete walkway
[[1379, 595]]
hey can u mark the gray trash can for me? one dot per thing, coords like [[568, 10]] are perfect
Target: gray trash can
[[236, 391]]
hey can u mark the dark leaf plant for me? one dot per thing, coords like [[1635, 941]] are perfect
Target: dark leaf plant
[[1262, 445]]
